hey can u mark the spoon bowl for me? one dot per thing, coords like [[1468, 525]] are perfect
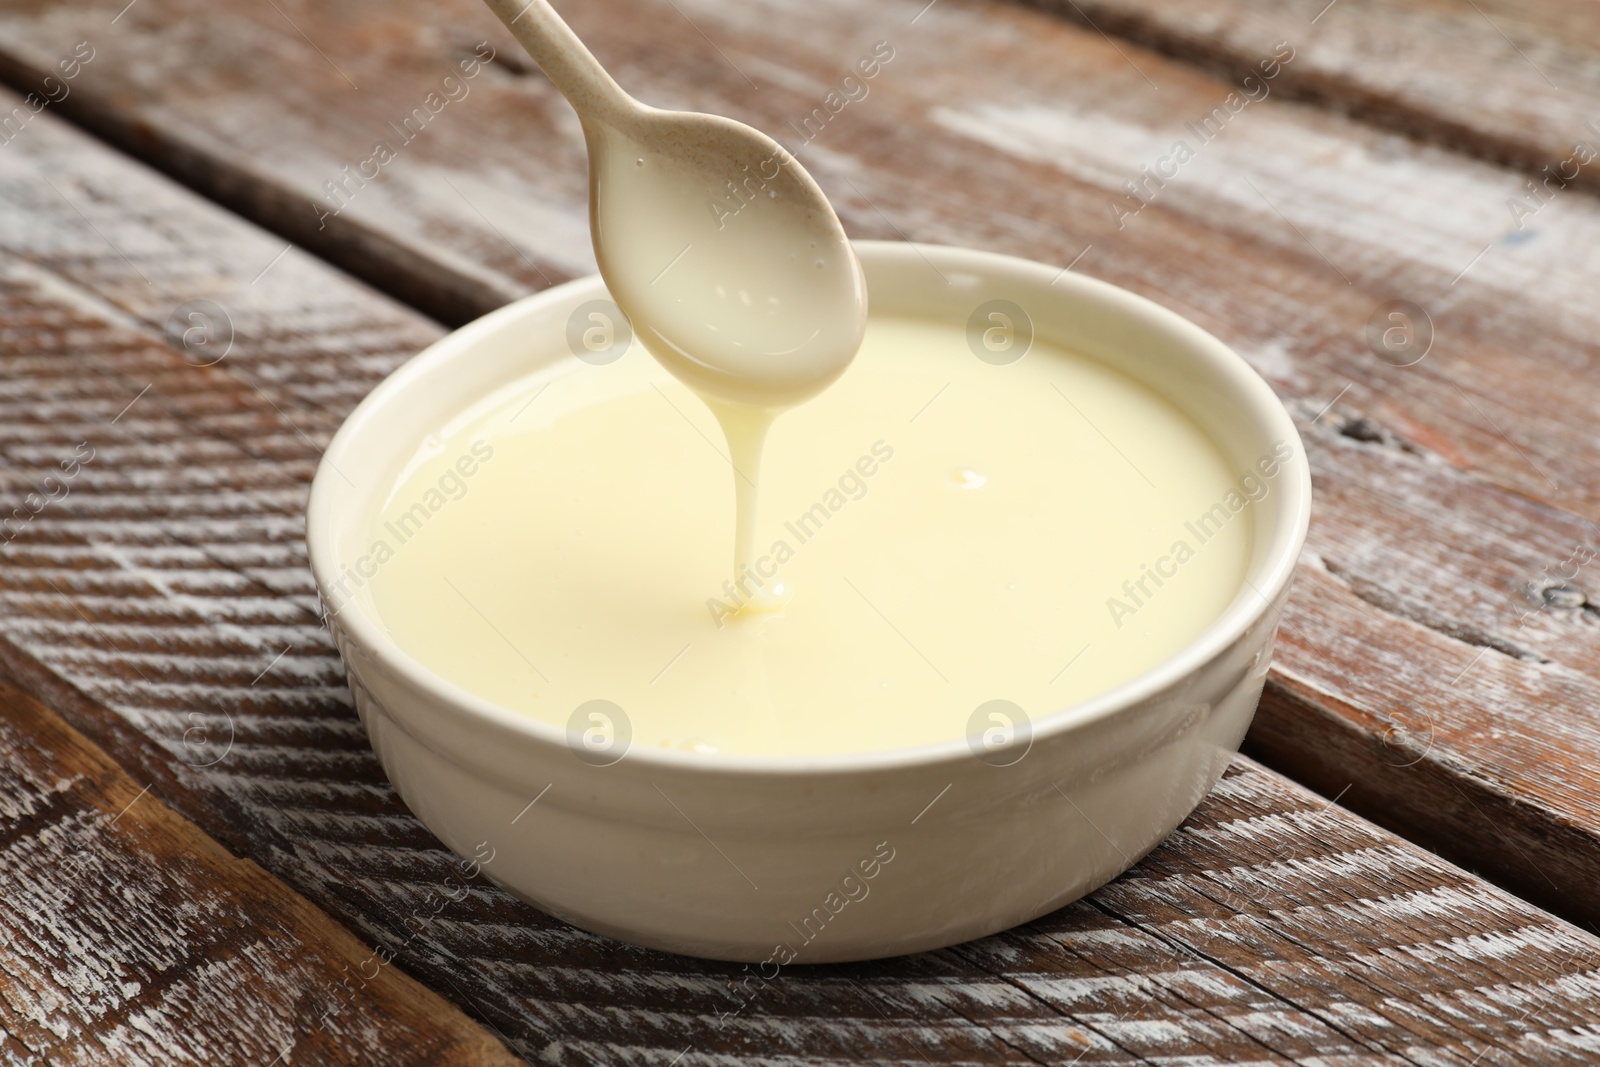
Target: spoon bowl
[[726, 256], [722, 251]]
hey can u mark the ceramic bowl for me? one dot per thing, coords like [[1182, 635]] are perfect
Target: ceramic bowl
[[840, 857]]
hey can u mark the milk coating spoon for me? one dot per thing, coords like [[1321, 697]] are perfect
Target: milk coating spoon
[[721, 250], [715, 242]]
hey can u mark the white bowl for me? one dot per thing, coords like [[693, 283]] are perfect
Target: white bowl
[[840, 857]]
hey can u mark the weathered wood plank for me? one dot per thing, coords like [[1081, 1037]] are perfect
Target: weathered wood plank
[[131, 937], [328, 145], [1510, 81], [153, 602], [1454, 493]]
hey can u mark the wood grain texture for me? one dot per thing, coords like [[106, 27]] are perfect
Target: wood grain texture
[[163, 603], [1449, 575], [156, 600], [131, 937], [1509, 81]]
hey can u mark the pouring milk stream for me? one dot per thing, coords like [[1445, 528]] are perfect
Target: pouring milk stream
[[756, 312]]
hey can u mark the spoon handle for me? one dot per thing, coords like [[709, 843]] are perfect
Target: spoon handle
[[569, 65]]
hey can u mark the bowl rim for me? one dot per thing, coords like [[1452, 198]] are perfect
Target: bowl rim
[[1269, 577]]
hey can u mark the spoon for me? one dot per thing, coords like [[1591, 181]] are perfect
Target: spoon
[[721, 250], [713, 240]]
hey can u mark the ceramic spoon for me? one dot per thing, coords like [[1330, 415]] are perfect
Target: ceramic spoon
[[714, 241]]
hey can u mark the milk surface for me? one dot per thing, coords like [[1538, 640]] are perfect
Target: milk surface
[[954, 533]]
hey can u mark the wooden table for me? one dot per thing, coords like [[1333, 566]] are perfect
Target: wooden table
[[203, 861]]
